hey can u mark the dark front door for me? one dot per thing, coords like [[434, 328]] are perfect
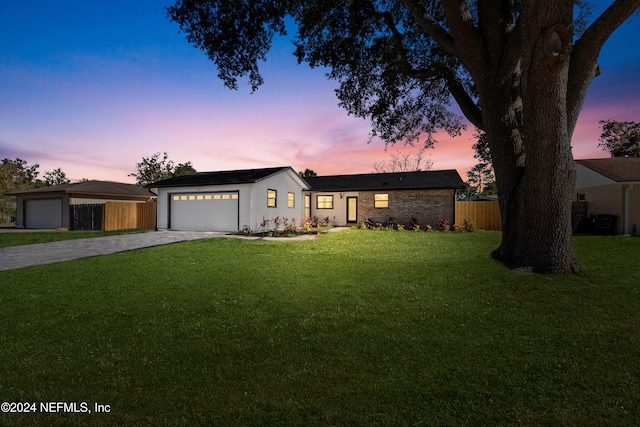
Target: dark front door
[[352, 210]]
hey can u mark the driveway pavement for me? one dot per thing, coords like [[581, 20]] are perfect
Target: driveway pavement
[[47, 253]]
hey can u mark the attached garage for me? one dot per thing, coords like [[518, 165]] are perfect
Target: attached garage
[[212, 211], [229, 201], [46, 213]]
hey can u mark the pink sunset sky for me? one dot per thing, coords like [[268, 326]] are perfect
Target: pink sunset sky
[[93, 88]]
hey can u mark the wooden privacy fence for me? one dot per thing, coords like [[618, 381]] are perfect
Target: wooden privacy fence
[[485, 214], [125, 215]]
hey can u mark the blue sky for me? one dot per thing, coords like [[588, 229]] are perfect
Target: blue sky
[[92, 87]]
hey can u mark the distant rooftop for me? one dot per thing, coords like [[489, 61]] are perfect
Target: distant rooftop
[[102, 188], [619, 169]]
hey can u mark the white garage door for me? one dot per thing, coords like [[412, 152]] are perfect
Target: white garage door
[[204, 211], [43, 213]]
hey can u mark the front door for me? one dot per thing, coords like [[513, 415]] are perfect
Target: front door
[[307, 205], [352, 209]]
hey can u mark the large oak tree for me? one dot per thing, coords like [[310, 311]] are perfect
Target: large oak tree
[[519, 71]]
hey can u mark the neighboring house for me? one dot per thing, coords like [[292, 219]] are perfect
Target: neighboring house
[[229, 200], [350, 199], [49, 207], [233, 200], [611, 186]]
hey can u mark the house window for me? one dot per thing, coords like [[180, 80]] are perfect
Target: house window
[[271, 198], [324, 202], [291, 200], [582, 197], [381, 201]]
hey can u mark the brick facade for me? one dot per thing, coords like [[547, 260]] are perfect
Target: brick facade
[[426, 206]]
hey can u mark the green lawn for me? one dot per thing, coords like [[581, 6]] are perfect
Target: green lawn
[[354, 328], [16, 238]]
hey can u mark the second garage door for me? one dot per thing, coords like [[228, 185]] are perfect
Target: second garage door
[[204, 211], [43, 213]]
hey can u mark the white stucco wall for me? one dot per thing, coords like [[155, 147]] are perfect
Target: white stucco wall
[[283, 183]]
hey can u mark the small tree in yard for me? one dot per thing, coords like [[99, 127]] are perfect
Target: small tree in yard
[[479, 177], [518, 69]]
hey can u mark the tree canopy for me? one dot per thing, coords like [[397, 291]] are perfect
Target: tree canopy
[[620, 139], [308, 173], [55, 177], [518, 70], [154, 168]]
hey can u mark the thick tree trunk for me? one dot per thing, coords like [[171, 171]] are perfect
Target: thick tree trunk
[[550, 175], [535, 190], [535, 199]]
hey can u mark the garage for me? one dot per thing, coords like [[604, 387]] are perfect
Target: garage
[[212, 211], [46, 213]]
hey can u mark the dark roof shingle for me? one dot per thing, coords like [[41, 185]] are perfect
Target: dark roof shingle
[[423, 180], [245, 176]]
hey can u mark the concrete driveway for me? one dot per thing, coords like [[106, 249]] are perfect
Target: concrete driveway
[[47, 253]]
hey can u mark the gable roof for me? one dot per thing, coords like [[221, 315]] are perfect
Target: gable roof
[[423, 180], [619, 169], [93, 188], [243, 176]]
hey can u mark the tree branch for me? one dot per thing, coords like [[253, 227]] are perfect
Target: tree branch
[[431, 27], [584, 58], [467, 105], [599, 31], [472, 52]]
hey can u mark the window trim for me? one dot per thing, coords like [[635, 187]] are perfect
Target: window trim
[[273, 199], [329, 196], [291, 200]]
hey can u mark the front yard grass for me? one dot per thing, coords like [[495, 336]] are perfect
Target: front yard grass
[[353, 328], [18, 238]]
